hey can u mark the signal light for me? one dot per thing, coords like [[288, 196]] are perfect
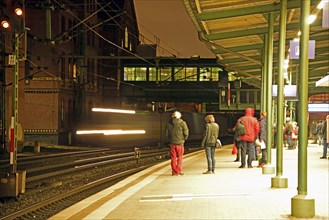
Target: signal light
[[5, 24], [18, 11]]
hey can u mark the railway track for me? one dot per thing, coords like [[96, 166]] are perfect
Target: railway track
[[50, 206], [52, 188], [62, 185]]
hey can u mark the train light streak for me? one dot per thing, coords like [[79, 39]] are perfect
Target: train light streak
[[111, 132], [113, 110], [115, 132]]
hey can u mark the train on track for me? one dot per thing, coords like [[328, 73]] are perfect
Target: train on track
[[97, 130]]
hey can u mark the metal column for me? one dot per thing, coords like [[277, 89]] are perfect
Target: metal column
[[278, 181], [301, 205], [269, 169]]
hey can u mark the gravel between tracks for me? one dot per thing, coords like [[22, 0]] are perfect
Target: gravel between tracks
[[61, 185]]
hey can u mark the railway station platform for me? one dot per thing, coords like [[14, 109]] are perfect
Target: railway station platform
[[230, 193]]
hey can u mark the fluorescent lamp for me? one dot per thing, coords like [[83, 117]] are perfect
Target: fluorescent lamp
[[311, 19], [321, 4], [318, 107], [323, 82], [113, 110]]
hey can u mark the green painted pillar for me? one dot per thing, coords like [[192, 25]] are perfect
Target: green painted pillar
[[303, 206], [278, 181], [264, 75], [269, 169]]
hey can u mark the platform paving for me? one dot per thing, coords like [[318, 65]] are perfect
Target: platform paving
[[230, 193]]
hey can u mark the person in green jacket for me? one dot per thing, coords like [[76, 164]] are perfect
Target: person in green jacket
[[177, 132], [210, 136]]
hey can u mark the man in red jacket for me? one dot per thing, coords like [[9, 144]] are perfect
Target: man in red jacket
[[248, 139]]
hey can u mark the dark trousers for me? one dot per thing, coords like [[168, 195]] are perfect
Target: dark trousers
[[238, 146], [247, 148]]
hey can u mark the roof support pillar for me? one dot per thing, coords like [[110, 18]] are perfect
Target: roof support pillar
[[302, 206], [278, 181], [268, 169]]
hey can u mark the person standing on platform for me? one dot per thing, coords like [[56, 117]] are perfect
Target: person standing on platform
[[262, 136], [319, 132], [209, 138], [288, 129], [237, 140], [177, 132], [325, 138], [248, 139]]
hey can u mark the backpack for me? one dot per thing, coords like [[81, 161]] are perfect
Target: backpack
[[240, 129]]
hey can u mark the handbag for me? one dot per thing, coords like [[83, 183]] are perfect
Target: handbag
[[234, 149], [257, 142], [218, 143], [260, 144]]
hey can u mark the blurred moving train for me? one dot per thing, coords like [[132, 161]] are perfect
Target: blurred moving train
[[153, 123]]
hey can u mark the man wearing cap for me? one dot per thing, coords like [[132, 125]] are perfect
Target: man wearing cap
[[177, 133]]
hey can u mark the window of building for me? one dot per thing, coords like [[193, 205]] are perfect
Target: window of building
[[63, 24], [179, 73], [74, 70], [126, 37], [191, 74], [140, 74], [209, 73], [69, 73], [165, 74], [215, 73], [63, 68], [186, 74], [62, 114], [89, 36], [205, 74], [152, 74], [135, 73], [129, 74]]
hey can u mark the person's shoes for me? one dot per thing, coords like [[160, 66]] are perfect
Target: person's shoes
[[242, 166], [181, 174], [249, 166], [207, 172], [261, 165], [213, 172], [323, 157], [174, 174], [237, 160]]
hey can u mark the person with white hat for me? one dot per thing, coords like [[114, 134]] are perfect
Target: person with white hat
[[177, 132]]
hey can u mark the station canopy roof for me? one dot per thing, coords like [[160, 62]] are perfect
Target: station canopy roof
[[235, 31]]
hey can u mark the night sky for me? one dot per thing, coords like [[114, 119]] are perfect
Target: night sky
[[169, 21]]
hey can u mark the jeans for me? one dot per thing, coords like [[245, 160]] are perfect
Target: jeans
[[210, 154], [325, 145], [290, 142], [248, 148]]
